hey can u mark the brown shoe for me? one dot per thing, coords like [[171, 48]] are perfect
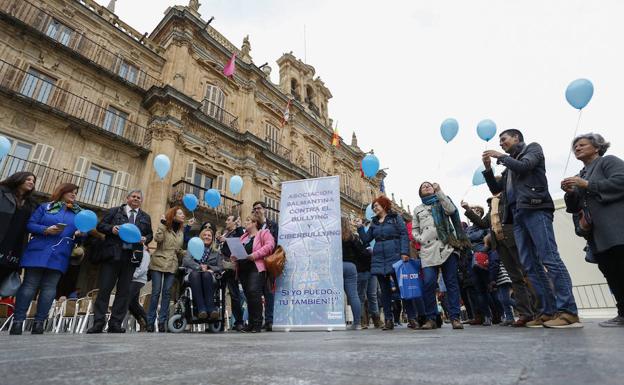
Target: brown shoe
[[457, 324], [364, 322], [478, 320], [377, 321], [538, 322], [564, 320], [429, 325], [388, 326], [520, 322]]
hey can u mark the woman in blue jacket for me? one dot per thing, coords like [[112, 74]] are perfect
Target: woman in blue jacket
[[391, 244], [47, 254]]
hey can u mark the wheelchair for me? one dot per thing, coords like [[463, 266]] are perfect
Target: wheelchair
[[185, 310]]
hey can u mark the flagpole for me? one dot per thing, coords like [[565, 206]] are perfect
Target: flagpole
[[305, 45]]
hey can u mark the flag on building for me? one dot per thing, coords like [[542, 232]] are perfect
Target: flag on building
[[335, 138], [286, 114], [230, 67]]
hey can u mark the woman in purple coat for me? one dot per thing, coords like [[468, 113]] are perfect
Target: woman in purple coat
[[47, 254]]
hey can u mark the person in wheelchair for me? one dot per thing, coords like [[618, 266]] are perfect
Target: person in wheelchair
[[202, 276]]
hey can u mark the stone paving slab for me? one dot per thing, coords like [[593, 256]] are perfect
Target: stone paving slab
[[476, 355]]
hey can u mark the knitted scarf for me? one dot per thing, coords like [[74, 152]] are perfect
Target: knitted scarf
[[55, 207], [449, 228]]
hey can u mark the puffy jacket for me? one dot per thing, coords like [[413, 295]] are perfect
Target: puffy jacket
[[169, 250], [527, 170], [49, 251], [391, 241]]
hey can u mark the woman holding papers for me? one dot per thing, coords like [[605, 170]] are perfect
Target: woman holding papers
[[251, 269]]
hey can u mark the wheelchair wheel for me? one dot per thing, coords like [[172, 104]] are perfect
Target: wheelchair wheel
[[177, 323], [214, 327]]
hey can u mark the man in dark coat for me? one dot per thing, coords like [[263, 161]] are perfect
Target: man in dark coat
[[119, 261], [269, 297], [529, 206], [232, 230]]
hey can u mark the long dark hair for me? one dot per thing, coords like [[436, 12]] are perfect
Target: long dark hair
[[16, 180]]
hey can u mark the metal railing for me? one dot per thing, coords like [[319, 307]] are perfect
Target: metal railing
[[46, 24], [278, 149], [42, 91], [90, 192], [228, 206], [351, 193], [593, 296], [217, 113], [317, 172]]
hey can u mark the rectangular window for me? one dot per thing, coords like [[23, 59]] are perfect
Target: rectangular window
[[37, 86], [272, 136], [315, 164], [272, 211], [17, 161], [128, 72], [115, 120], [201, 180], [96, 188], [59, 32]]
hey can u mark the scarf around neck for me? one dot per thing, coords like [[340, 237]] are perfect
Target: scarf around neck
[[55, 207], [449, 228]]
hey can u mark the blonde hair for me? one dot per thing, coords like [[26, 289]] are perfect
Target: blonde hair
[[213, 245]]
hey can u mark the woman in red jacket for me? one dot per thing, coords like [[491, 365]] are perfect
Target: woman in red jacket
[[252, 271]]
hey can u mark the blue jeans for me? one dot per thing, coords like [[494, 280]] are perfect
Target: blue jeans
[[161, 282], [414, 308], [504, 296], [350, 278], [537, 249], [481, 280], [449, 274], [367, 289], [36, 278]]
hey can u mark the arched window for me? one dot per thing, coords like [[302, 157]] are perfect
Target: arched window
[[214, 102], [294, 89], [309, 94]]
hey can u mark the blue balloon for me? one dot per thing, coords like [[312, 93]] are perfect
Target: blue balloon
[[477, 177], [579, 93], [369, 212], [5, 147], [370, 165], [190, 201], [449, 129], [196, 248], [486, 129], [129, 233], [162, 164], [212, 198], [85, 221], [236, 184]]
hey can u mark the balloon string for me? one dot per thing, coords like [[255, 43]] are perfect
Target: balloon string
[[59, 242], [578, 122], [440, 158], [466, 193]]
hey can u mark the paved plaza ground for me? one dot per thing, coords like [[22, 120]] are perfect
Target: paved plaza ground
[[474, 356]]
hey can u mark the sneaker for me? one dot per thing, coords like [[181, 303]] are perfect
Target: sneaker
[[355, 326], [412, 324], [538, 322], [564, 320], [615, 322], [457, 324], [487, 321], [389, 325], [506, 323], [521, 322]]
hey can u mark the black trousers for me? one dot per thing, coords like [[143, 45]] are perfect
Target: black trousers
[[229, 277], [203, 288], [611, 264], [134, 307], [508, 253], [253, 284], [114, 273]]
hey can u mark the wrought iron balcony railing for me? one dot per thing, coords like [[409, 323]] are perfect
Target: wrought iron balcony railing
[[217, 113], [90, 193], [42, 91], [228, 206], [278, 149], [45, 24], [317, 172], [351, 193]]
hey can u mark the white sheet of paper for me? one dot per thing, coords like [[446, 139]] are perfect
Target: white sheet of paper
[[236, 248]]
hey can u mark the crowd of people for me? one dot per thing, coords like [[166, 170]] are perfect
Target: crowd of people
[[504, 267]]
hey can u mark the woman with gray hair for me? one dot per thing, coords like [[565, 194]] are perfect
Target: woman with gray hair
[[595, 197]]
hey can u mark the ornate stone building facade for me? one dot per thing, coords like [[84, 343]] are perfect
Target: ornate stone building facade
[[86, 98]]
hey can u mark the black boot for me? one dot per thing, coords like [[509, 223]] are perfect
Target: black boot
[[162, 327], [16, 328], [115, 328], [37, 328], [97, 328]]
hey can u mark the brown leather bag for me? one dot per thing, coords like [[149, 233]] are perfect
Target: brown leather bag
[[275, 262]]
